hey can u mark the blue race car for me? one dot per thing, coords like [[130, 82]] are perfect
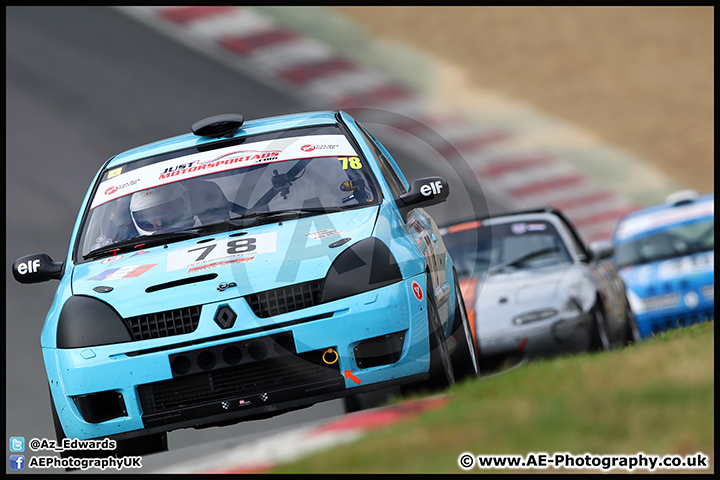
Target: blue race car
[[666, 255], [244, 270]]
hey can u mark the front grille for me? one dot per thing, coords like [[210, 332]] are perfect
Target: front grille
[[661, 302], [286, 299], [674, 321], [258, 378], [163, 324]]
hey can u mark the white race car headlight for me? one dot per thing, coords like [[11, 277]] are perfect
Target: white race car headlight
[[636, 304]]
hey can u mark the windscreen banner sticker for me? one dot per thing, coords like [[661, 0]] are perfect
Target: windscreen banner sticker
[[521, 228], [207, 254], [220, 160], [518, 228], [123, 272]]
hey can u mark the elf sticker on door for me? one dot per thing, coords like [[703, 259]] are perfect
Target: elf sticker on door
[[232, 248]]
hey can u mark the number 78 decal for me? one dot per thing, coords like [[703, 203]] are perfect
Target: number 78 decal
[[222, 250], [352, 162]]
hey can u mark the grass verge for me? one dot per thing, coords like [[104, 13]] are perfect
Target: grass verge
[[656, 397]]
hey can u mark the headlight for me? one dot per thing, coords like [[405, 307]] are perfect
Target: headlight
[[88, 322], [636, 304], [535, 316], [365, 266]]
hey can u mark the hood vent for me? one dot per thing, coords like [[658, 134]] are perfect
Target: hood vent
[[184, 281]]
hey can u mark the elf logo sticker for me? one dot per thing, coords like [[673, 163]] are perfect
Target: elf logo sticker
[[307, 148], [417, 290], [111, 190], [433, 189]]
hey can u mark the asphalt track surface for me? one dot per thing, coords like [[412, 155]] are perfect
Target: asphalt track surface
[[83, 84]]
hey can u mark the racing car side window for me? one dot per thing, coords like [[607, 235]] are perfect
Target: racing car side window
[[396, 186]]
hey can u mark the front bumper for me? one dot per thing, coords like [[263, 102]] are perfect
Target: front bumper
[[542, 338], [660, 321], [288, 363]]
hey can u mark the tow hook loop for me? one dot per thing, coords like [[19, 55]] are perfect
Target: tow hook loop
[[330, 356]]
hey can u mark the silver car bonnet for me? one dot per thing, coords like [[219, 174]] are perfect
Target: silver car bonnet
[[503, 296]]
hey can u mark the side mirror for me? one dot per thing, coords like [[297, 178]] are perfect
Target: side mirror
[[424, 192], [36, 268], [601, 249]]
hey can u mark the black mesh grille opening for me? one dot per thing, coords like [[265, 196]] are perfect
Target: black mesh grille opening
[[675, 321], [163, 324], [286, 299], [271, 375]]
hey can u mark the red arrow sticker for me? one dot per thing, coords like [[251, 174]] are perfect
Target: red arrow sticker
[[417, 290], [349, 374]]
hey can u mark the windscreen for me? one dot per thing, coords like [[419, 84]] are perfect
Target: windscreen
[[315, 174], [668, 242], [665, 233], [517, 245]]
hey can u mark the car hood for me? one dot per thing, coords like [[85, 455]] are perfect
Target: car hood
[[501, 297], [522, 287], [189, 273], [673, 274]]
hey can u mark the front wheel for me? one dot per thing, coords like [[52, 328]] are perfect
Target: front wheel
[[441, 368], [632, 334], [364, 401], [465, 361], [600, 338]]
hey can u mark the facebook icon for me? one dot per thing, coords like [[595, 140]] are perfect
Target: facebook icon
[[17, 462]]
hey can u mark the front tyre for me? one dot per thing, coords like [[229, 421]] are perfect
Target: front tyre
[[465, 361], [441, 367], [364, 401], [632, 334], [600, 338], [441, 375]]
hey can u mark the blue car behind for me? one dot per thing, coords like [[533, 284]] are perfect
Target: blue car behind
[[666, 254], [244, 270]]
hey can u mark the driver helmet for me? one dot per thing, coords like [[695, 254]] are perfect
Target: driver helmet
[[161, 209]]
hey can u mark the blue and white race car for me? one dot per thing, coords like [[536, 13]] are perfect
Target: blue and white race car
[[666, 256], [245, 270]]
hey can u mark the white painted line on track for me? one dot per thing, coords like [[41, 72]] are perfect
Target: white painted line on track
[[240, 22]]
